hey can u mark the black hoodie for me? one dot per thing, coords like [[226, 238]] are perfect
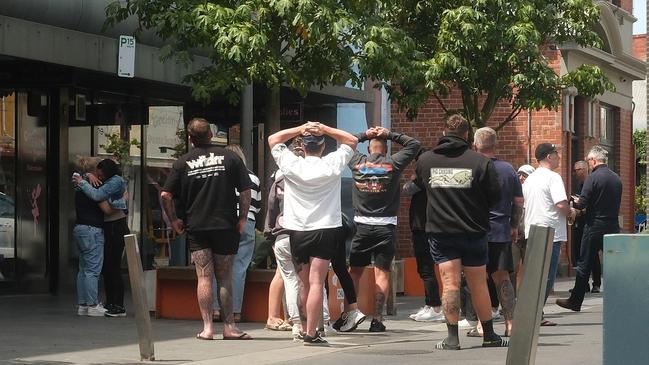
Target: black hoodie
[[461, 186]]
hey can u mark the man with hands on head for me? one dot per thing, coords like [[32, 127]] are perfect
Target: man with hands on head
[[312, 210], [204, 182]]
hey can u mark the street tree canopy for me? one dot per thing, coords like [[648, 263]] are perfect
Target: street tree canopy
[[491, 50], [272, 42]]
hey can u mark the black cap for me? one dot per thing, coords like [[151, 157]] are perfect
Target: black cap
[[543, 150], [313, 140]]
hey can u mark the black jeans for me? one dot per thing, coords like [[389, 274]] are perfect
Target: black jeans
[[592, 241], [114, 232], [339, 265], [426, 268]]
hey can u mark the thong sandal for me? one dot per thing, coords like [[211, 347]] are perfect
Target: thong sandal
[[279, 326], [473, 333], [199, 337], [243, 336], [546, 323], [500, 342]]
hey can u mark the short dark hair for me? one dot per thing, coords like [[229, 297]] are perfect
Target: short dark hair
[[456, 125], [109, 168], [198, 130]]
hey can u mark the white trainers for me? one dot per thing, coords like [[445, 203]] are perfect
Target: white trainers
[[82, 310], [430, 315], [352, 320], [297, 333], [495, 314], [419, 312], [96, 310], [466, 324]]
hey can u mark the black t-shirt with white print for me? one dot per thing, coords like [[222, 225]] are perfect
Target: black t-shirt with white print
[[204, 182]]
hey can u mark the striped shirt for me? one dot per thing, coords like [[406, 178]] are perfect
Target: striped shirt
[[255, 197]]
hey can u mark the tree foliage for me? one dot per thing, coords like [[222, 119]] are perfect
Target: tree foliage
[[272, 42], [491, 50]]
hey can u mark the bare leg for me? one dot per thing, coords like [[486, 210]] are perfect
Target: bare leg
[[316, 276], [505, 296], [303, 271], [204, 262], [475, 279], [450, 273], [275, 293], [223, 272], [381, 291]]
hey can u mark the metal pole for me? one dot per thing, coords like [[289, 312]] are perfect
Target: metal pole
[[531, 297], [142, 318], [245, 137]]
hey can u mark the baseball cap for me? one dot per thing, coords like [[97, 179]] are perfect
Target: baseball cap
[[313, 140], [543, 150], [526, 170]]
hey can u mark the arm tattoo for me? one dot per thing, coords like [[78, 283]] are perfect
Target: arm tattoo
[[507, 299], [517, 214], [169, 207], [244, 203], [451, 303]]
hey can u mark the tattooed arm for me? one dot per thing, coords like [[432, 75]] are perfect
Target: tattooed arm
[[168, 205], [517, 215], [244, 206]]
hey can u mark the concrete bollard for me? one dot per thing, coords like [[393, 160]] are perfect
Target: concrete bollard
[[142, 318], [531, 297]]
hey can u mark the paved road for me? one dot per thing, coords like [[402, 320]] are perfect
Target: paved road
[[43, 330]]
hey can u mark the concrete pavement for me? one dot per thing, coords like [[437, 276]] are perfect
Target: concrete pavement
[[46, 330]]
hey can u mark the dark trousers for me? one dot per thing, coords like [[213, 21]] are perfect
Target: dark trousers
[[592, 241], [426, 268], [339, 265], [112, 270]]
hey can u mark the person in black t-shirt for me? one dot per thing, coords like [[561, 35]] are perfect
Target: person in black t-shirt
[[204, 182]]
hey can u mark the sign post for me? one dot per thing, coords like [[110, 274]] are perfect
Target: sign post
[[126, 61]]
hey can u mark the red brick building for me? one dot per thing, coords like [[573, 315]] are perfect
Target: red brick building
[[576, 126]]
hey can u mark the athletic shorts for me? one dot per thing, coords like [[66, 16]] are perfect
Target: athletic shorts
[[500, 257], [376, 241], [470, 249], [222, 242], [320, 243]]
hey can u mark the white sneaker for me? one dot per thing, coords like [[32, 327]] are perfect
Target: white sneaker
[[352, 320], [430, 315], [82, 310], [96, 310], [495, 314], [466, 324], [419, 312], [297, 333]]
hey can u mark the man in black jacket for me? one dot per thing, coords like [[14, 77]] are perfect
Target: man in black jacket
[[461, 185], [601, 197], [375, 197]]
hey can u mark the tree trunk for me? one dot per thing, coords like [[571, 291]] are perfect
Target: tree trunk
[[272, 126]]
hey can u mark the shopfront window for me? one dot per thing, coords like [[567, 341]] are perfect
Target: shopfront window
[[7, 187]]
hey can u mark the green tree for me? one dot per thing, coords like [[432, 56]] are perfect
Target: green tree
[[640, 144], [491, 50], [297, 43]]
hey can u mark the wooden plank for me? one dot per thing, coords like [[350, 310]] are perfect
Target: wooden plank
[[531, 297], [142, 318]]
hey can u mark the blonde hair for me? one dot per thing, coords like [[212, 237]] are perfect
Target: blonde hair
[[87, 164], [237, 149], [485, 139]]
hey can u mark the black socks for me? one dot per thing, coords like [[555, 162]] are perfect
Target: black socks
[[453, 337]]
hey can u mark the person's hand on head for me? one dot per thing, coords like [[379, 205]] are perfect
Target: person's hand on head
[[315, 129], [371, 133], [382, 132], [93, 180]]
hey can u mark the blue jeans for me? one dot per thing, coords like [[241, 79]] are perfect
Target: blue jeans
[[239, 268], [90, 242], [554, 265]]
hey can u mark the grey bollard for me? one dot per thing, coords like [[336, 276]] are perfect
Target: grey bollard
[[531, 297], [626, 298], [142, 318]]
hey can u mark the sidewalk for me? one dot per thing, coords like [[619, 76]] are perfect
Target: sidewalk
[[46, 330]]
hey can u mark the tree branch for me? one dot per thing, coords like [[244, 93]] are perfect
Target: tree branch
[[509, 118], [441, 103]]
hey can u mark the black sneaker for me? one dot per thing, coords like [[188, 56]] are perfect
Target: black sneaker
[[339, 323], [595, 289], [316, 340], [115, 311], [377, 326]]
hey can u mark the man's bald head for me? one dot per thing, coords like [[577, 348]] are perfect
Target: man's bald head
[[199, 131]]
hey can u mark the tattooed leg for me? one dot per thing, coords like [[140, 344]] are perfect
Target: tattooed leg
[[381, 291], [450, 274], [506, 296], [204, 263], [223, 272]]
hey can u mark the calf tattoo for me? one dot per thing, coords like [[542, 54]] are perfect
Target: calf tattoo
[[379, 302], [451, 303], [507, 298]]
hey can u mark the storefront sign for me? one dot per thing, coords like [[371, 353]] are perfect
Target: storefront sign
[[126, 63]]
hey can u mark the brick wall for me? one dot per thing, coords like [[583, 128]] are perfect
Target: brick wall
[[627, 5], [639, 48]]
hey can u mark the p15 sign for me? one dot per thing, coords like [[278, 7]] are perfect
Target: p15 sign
[[126, 63]]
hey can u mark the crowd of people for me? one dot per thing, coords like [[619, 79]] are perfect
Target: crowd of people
[[470, 215]]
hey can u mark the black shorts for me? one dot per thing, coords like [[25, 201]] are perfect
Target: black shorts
[[222, 242], [500, 257], [320, 243], [470, 249], [373, 240]]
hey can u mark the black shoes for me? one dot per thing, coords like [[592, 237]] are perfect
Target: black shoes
[[377, 326], [595, 289], [565, 303], [316, 340], [115, 311]]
